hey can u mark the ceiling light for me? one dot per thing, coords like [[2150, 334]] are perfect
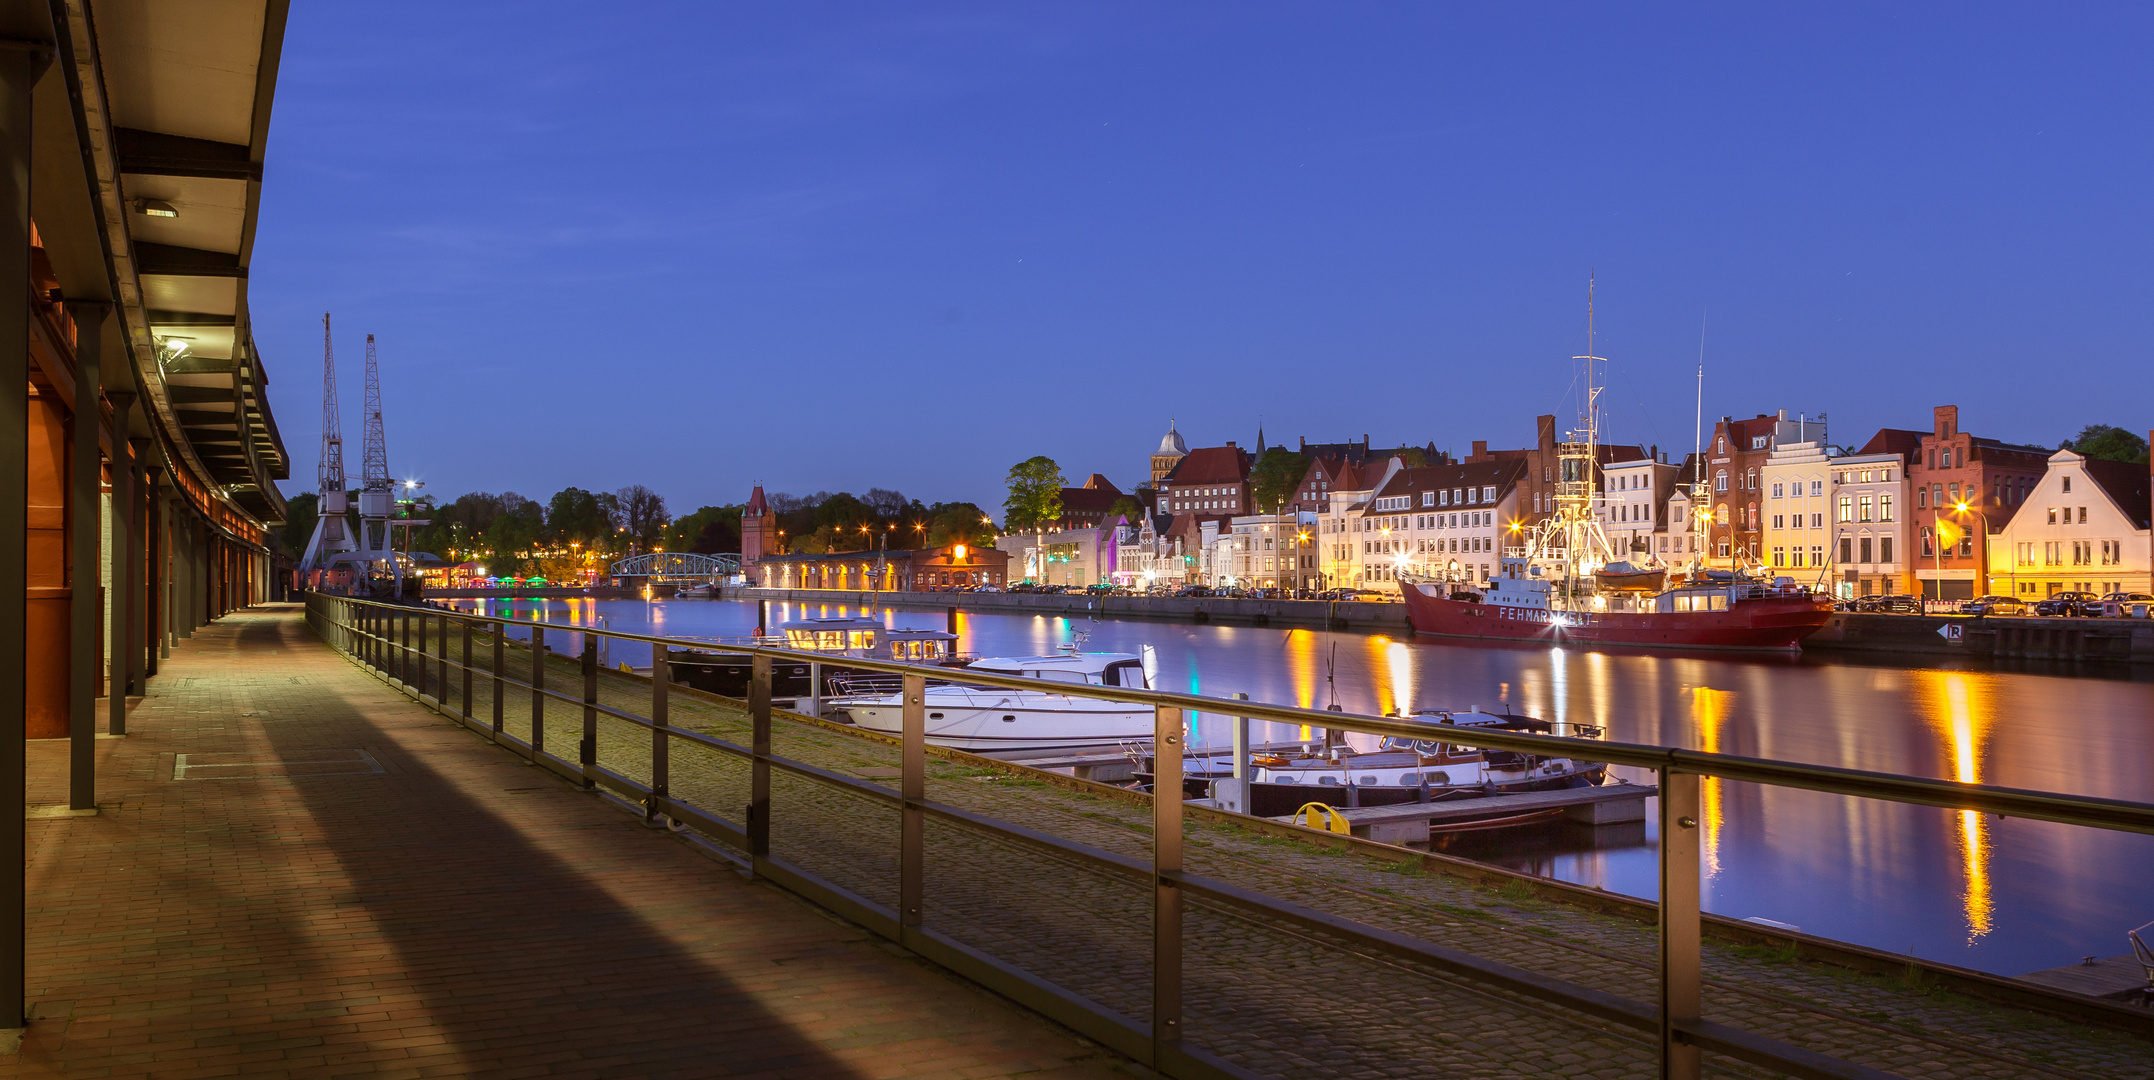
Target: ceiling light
[[156, 208], [172, 347]]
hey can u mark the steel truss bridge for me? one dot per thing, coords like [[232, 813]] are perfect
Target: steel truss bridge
[[677, 567]]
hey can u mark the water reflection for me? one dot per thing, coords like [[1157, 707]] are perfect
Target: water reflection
[[2004, 896], [1957, 707]]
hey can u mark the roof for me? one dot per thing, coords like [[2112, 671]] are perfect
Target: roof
[[1211, 465], [2011, 448], [757, 504], [1899, 441], [173, 107], [1172, 442], [2127, 485], [1742, 431], [1501, 474]]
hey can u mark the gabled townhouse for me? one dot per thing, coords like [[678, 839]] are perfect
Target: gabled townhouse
[[1964, 487], [1537, 499], [2082, 527]]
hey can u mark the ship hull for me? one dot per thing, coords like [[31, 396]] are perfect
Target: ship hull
[[1762, 624]]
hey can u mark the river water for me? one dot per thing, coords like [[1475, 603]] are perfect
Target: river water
[[2006, 896]]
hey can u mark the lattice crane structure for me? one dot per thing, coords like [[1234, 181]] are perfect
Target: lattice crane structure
[[332, 498]]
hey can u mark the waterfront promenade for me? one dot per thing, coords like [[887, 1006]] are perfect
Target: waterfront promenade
[[255, 898], [337, 880]]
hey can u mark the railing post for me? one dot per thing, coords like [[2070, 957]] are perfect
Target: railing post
[[403, 652], [538, 691], [1166, 869], [441, 662], [759, 764], [661, 743], [587, 747], [466, 710], [501, 648], [1679, 966], [418, 656], [912, 788]]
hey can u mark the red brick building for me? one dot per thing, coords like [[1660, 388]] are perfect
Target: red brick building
[[1989, 478], [1210, 480]]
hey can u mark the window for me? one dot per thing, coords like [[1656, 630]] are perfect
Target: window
[[1847, 508], [1776, 491], [1777, 519], [1817, 521], [1750, 479], [1884, 549], [2052, 515], [1863, 511], [1884, 507], [2082, 515], [1845, 556], [1780, 555], [1966, 544], [1488, 494], [1798, 556], [1927, 548], [2067, 485], [1443, 498], [1720, 517], [1720, 480], [1922, 498], [1428, 498], [1955, 491]]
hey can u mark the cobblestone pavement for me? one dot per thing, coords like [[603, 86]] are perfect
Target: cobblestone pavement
[[1284, 1003], [298, 872]]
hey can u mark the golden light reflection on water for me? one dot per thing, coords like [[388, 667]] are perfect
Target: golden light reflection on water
[[1380, 676], [1301, 666], [1400, 660], [1709, 711], [1958, 706]]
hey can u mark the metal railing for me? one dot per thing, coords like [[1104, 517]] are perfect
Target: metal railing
[[394, 640]]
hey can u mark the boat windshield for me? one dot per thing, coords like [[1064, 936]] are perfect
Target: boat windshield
[[829, 640], [919, 650]]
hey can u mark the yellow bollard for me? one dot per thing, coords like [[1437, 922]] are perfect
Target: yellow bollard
[[1322, 818]]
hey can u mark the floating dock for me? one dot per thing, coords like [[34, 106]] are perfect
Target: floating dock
[[1409, 823]]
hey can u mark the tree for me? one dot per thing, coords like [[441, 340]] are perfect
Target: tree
[[1274, 477], [1035, 498], [641, 512], [577, 516], [711, 530], [956, 523], [1124, 507], [299, 515], [2109, 443], [885, 502]]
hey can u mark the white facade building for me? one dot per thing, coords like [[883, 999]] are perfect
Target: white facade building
[[1634, 507], [1796, 518], [1870, 516], [2082, 529]]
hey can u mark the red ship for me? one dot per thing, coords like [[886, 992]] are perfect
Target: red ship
[[1712, 614], [1564, 585]]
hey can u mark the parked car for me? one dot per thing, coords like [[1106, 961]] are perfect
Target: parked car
[[2124, 605], [1892, 604], [2065, 603], [1994, 605]]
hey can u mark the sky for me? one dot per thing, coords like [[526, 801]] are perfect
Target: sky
[[705, 246]]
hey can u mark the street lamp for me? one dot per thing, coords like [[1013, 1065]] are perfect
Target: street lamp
[[1982, 554]]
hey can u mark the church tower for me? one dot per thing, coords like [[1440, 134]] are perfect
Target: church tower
[[758, 532], [1170, 453]]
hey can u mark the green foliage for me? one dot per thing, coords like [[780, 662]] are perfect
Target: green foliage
[[300, 512], [1035, 498], [580, 517], [955, 523], [2110, 443], [1274, 477], [1125, 507], [711, 530]]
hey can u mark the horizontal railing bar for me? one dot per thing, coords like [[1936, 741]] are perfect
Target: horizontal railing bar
[[616, 782], [710, 741], [1772, 1053], [689, 812], [1135, 869], [859, 787], [2112, 814]]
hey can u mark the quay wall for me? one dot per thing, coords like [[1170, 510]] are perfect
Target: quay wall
[[1368, 616], [2002, 637]]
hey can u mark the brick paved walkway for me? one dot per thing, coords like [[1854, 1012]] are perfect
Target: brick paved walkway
[[282, 908]]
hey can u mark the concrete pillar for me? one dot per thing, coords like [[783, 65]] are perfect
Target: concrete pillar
[[138, 564], [21, 62], [124, 554], [85, 494], [153, 574]]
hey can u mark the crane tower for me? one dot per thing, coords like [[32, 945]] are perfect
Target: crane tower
[[331, 537]]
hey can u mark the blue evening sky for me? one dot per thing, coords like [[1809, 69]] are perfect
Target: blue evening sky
[[700, 246]]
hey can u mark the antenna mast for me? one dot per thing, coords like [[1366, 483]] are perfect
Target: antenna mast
[[375, 470], [331, 473]]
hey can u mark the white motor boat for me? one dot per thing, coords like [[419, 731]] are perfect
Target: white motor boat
[[987, 719]]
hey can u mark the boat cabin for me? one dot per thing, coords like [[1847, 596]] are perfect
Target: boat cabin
[[868, 639], [1094, 669]]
